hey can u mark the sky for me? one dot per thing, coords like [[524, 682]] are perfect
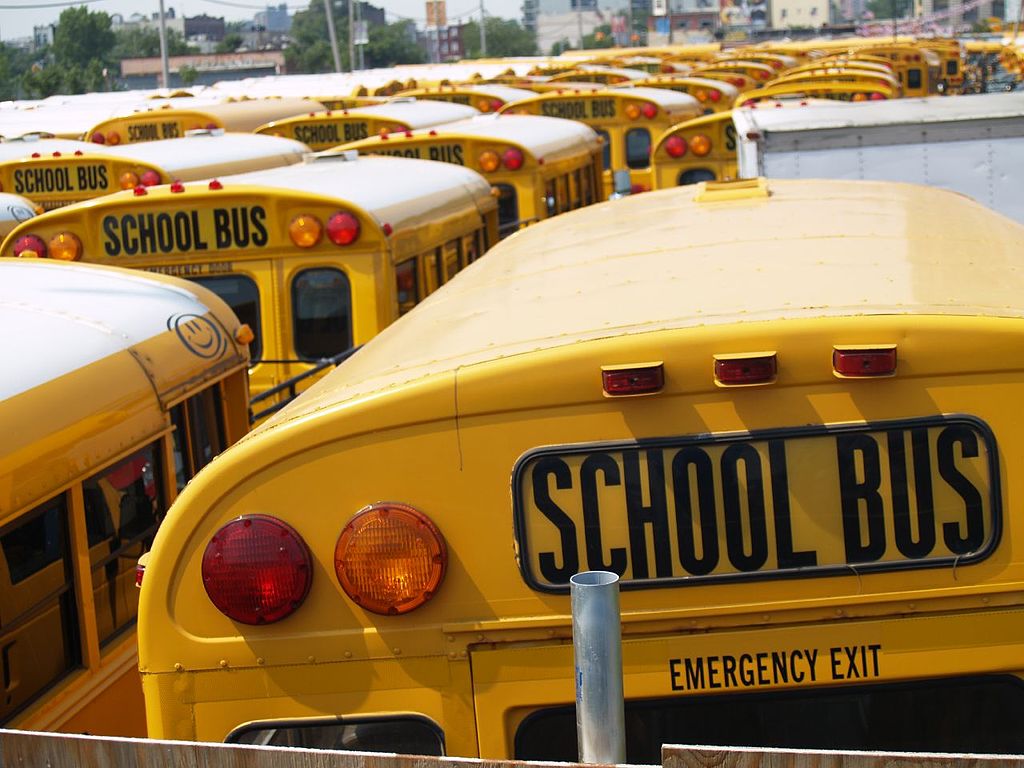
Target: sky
[[17, 17]]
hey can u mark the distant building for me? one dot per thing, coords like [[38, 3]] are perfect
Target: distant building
[[274, 20], [204, 27], [145, 73], [171, 20], [442, 44], [787, 14], [556, 20], [42, 36]]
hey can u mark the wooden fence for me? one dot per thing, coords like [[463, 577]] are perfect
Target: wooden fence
[[25, 749]]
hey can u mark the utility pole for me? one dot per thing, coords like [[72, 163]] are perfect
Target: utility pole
[[165, 67], [332, 33], [579, 20], [483, 30]]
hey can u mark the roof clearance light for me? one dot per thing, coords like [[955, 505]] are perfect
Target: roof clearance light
[[700, 145], [65, 247], [864, 362], [30, 247], [650, 111], [746, 369], [390, 559], [632, 111], [98, 138], [140, 191], [113, 138], [633, 379], [177, 187], [489, 161], [257, 570], [128, 180], [675, 146], [342, 228], [305, 230], [215, 185], [512, 159], [149, 178]]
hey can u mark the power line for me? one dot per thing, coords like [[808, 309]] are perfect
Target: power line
[[46, 5], [243, 5]]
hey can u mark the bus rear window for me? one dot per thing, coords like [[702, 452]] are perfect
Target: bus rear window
[[913, 78], [321, 312], [242, 295], [606, 148], [638, 148], [508, 209], [409, 735], [39, 635], [958, 715]]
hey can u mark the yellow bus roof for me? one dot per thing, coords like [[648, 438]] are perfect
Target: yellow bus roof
[[98, 351], [666, 98], [687, 257], [543, 137], [505, 93]]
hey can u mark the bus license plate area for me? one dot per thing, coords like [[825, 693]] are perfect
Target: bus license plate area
[[810, 501]]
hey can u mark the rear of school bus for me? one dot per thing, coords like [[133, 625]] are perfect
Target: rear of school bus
[[787, 417]]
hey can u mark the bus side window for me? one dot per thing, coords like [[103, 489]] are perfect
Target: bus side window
[[321, 313], [606, 148], [577, 189], [123, 507], [508, 209], [199, 433], [562, 192], [638, 148], [452, 258], [242, 295], [913, 78], [39, 639], [431, 261], [407, 284], [550, 197]]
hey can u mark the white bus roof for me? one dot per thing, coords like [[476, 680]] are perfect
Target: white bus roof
[[417, 113]]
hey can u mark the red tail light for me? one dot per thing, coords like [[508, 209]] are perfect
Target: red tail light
[[342, 228], [861, 362], [675, 146], [513, 159], [715, 95], [877, 96], [257, 570], [140, 573], [98, 138], [650, 110], [30, 246], [745, 369]]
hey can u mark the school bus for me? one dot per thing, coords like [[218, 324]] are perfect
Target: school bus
[[714, 95], [951, 63], [840, 75], [738, 80], [760, 73], [14, 209], [117, 388], [59, 178], [595, 73], [702, 149], [316, 258], [820, 89], [537, 166], [329, 129], [785, 417], [918, 69], [626, 118], [235, 116], [482, 97]]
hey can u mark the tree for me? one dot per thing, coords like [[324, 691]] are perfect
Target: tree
[[310, 50], [393, 44], [561, 47], [83, 36], [232, 42], [187, 74], [505, 37], [144, 43], [601, 37]]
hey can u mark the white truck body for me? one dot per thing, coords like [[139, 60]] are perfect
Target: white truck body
[[969, 144]]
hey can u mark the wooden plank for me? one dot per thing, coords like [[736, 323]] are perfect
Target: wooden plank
[[676, 756]]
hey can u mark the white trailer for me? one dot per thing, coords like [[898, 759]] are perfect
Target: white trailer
[[969, 144]]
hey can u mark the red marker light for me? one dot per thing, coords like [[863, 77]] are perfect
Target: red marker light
[[639, 379], [342, 228], [215, 185], [177, 187], [56, 154], [140, 191], [675, 146], [78, 153], [864, 362], [746, 369]]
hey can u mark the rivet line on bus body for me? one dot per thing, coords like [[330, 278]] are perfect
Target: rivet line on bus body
[[224, 663], [450, 638], [260, 660], [311, 659], [179, 668], [396, 651], [348, 654]]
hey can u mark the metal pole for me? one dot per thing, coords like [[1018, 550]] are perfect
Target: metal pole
[[483, 31], [165, 67], [597, 648], [359, 46], [579, 20], [332, 33]]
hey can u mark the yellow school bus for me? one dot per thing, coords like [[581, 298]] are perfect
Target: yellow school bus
[[14, 209], [702, 149], [713, 95], [951, 62], [784, 414], [537, 166], [316, 258], [919, 69], [596, 73], [483, 97], [626, 118], [117, 388], [758, 72], [329, 129], [236, 116], [58, 178], [820, 89]]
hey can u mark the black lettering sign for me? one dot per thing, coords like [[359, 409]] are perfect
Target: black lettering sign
[[144, 132], [569, 110], [602, 108], [758, 669], [164, 232], [447, 153], [405, 152], [356, 131]]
